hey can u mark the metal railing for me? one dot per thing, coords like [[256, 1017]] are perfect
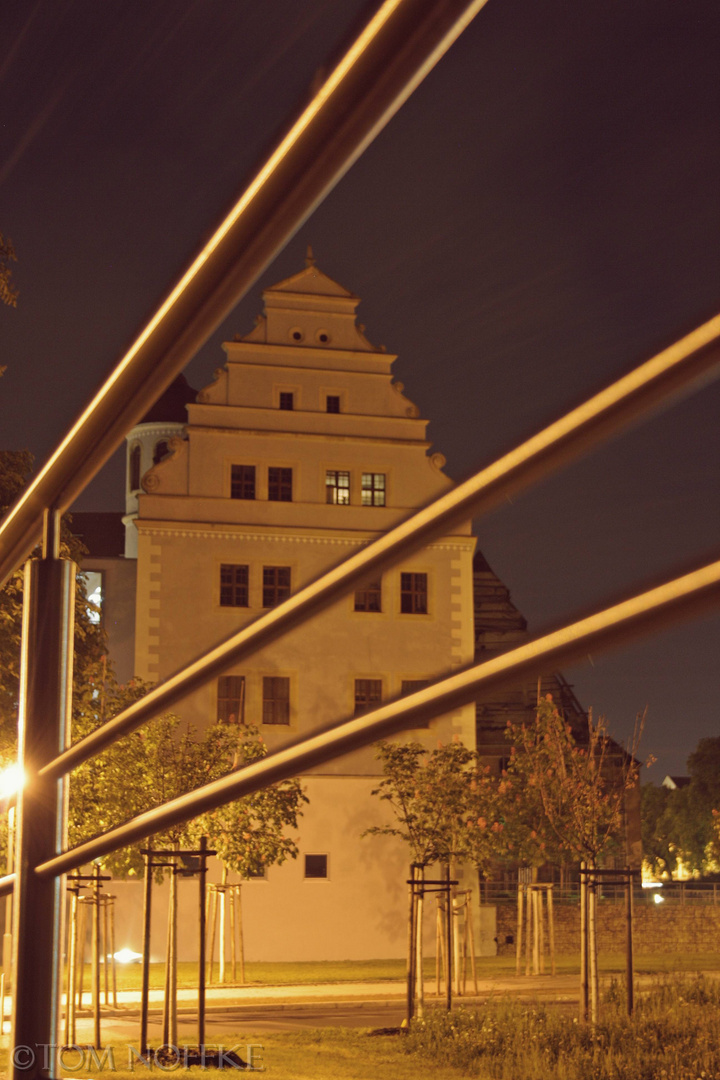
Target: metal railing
[[400, 44]]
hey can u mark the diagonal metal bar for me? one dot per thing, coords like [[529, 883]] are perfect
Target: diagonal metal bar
[[652, 609], [7, 884], [401, 43], [688, 360]]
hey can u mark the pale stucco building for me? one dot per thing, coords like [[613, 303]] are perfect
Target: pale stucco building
[[302, 450]]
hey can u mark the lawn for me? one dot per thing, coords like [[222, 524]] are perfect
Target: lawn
[[364, 971]]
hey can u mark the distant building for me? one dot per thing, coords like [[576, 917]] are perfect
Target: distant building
[[674, 783]]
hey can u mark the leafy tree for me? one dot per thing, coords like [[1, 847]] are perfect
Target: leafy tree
[[659, 808], [249, 834]]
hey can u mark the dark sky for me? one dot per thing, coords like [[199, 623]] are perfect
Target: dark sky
[[541, 216]]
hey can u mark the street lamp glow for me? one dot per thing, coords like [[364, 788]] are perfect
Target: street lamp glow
[[12, 780], [127, 956], [658, 898]]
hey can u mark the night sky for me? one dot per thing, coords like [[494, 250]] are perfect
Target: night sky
[[541, 216]]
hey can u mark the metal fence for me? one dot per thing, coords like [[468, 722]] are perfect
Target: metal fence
[[673, 893], [400, 44]]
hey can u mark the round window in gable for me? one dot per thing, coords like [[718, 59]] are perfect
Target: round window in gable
[[323, 337], [296, 334]]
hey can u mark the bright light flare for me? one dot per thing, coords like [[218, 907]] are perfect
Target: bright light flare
[[127, 956], [12, 780], [658, 898]]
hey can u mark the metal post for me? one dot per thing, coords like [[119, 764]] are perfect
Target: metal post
[[584, 998], [449, 932], [96, 954], [411, 948], [629, 941], [7, 936], [144, 995], [43, 729], [201, 959]]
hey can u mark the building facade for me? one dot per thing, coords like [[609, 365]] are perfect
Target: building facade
[[300, 452]]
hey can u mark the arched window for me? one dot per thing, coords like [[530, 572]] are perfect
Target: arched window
[[135, 468], [160, 451]]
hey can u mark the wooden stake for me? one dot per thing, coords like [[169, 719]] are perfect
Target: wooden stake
[[420, 981], [520, 916], [233, 957], [584, 988], [551, 928], [241, 939], [541, 931], [212, 919], [471, 938]]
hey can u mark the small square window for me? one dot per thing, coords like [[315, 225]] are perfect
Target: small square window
[[332, 403], [242, 482], [231, 699], [337, 487], [373, 489], [276, 700], [279, 485], [276, 585], [287, 401], [233, 585], [368, 694], [316, 866], [369, 598], [413, 594]]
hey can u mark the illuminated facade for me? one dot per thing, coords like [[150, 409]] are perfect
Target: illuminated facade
[[301, 451]]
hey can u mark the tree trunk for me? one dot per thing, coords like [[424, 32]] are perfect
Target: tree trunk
[[420, 982], [592, 949]]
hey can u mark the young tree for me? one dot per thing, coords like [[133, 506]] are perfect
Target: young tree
[[445, 808], [577, 789]]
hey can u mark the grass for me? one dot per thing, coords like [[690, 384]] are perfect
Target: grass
[[674, 1034], [364, 971]]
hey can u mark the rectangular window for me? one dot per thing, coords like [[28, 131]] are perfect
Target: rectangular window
[[332, 403], [373, 489], [411, 686], [231, 699], [287, 401], [337, 487], [233, 585], [316, 866], [279, 485], [242, 482], [369, 598], [413, 594], [276, 700], [368, 693], [276, 585]]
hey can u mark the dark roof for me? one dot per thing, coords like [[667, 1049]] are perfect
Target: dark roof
[[103, 534], [170, 406]]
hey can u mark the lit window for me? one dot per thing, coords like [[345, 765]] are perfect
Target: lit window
[[276, 585], [92, 581], [280, 485], [276, 700], [337, 487], [368, 693], [231, 699], [369, 598], [332, 403], [135, 468], [413, 594], [287, 401], [373, 489], [233, 585], [316, 866], [242, 482]]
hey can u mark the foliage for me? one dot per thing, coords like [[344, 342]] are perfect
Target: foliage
[[658, 821], [249, 834], [445, 804], [575, 790], [675, 1032], [679, 824], [8, 291]]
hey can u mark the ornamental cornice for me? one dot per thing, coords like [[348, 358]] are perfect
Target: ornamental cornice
[[459, 544]]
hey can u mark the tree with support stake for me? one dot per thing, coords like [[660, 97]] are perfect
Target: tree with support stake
[[576, 790]]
